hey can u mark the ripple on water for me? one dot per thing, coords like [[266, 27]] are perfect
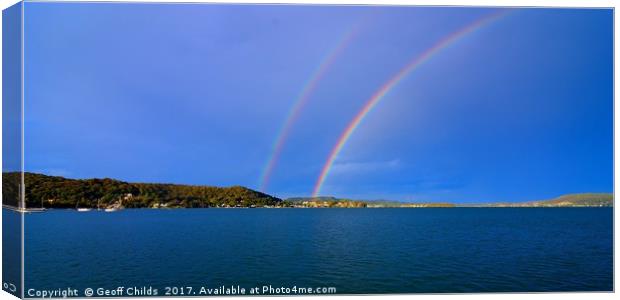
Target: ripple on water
[[355, 250]]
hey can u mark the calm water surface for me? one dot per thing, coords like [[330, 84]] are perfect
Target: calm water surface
[[354, 250]]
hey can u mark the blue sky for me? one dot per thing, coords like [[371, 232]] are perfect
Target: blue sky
[[521, 109]]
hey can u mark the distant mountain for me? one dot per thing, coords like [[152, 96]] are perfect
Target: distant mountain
[[59, 192], [342, 202], [323, 202], [571, 200]]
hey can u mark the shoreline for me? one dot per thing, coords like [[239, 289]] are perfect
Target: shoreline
[[38, 210]]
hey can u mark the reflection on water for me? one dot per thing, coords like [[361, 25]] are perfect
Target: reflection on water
[[354, 250]]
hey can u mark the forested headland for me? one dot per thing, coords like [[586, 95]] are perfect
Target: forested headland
[[59, 192]]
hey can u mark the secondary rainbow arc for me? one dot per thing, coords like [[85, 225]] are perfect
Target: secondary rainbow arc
[[302, 99]]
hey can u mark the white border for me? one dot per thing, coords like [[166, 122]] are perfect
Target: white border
[[512, 3]]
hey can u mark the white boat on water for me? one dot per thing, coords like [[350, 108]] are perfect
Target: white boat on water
[[81, 209], [112, 209]]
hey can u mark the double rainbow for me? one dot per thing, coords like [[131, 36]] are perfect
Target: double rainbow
[[390, 84]]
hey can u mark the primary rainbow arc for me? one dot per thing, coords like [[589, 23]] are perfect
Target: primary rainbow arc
[[389, 85]]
